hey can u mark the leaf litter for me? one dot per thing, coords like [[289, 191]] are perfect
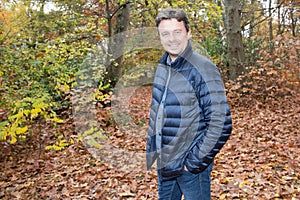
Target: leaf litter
[[259, 161]]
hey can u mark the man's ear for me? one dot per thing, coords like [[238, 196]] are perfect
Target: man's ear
[[189, 34]]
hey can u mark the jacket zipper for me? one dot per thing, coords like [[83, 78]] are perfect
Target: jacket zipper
[[159, 117]]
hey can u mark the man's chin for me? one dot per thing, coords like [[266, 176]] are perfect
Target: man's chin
[[173, 54]]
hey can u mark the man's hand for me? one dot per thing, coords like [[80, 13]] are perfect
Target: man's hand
[[185, 168]]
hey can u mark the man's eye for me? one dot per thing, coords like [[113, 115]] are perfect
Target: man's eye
[[164, 34]]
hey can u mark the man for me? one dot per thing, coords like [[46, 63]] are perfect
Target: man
[[189, 117]]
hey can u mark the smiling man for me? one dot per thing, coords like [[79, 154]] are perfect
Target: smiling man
[[174, 36], [189, 117]]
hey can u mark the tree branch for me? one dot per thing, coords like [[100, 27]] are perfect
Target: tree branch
[[120, 6]]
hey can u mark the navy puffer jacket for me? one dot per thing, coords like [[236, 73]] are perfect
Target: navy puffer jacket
[[189, 117]]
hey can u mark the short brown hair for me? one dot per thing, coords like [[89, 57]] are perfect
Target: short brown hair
[[171, 13]]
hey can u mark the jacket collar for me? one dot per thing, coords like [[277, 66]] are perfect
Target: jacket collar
[[179, 60]]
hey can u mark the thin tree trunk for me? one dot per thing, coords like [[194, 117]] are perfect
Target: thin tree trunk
[[119, 42], [234, 38], [252, 18], [271, 28], [293, 21], [116, 41], [279, 32]]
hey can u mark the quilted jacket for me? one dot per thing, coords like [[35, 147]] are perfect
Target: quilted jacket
[[189, 117]]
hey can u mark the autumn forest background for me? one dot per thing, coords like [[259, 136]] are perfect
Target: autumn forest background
[[75, 90]]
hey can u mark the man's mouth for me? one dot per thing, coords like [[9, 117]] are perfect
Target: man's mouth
[[173, 46]]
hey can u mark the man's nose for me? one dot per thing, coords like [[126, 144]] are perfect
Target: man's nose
[[172, 37]]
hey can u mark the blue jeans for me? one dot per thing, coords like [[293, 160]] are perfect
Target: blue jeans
[[191, 186]]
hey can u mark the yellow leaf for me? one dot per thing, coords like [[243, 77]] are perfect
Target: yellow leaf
[[241, 184], [26, 113], [55, 119], [21, 130], [57, 148], [223, 196], [3, 135], [63, 143], [20, 115], [35, 112], [71, 141], [48, 147], [13, 139], [27, 184]]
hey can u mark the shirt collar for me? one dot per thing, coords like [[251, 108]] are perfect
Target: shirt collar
[[169, 61]]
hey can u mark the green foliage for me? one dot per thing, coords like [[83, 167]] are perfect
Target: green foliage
[[26, 110], [252, 48], [38, 67], [215, 48], [33, 73]]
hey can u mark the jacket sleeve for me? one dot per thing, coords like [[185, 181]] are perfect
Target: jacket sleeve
[[215, 126]]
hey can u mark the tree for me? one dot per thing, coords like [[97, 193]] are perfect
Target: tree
[[12, 21], [234, 38], [111, 20], [116, 41], [270, 11]]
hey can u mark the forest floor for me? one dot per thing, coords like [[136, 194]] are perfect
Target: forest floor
[[261, 160]]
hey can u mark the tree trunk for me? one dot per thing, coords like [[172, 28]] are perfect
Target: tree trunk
[[293, 21], [234, 38], [279, 32], [116, 43], [252, 18], [271, 29]]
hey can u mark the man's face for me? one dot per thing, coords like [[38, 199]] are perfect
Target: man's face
[[173, 36]]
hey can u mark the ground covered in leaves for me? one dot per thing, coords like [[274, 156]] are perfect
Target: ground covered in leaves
[[260, 161]]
